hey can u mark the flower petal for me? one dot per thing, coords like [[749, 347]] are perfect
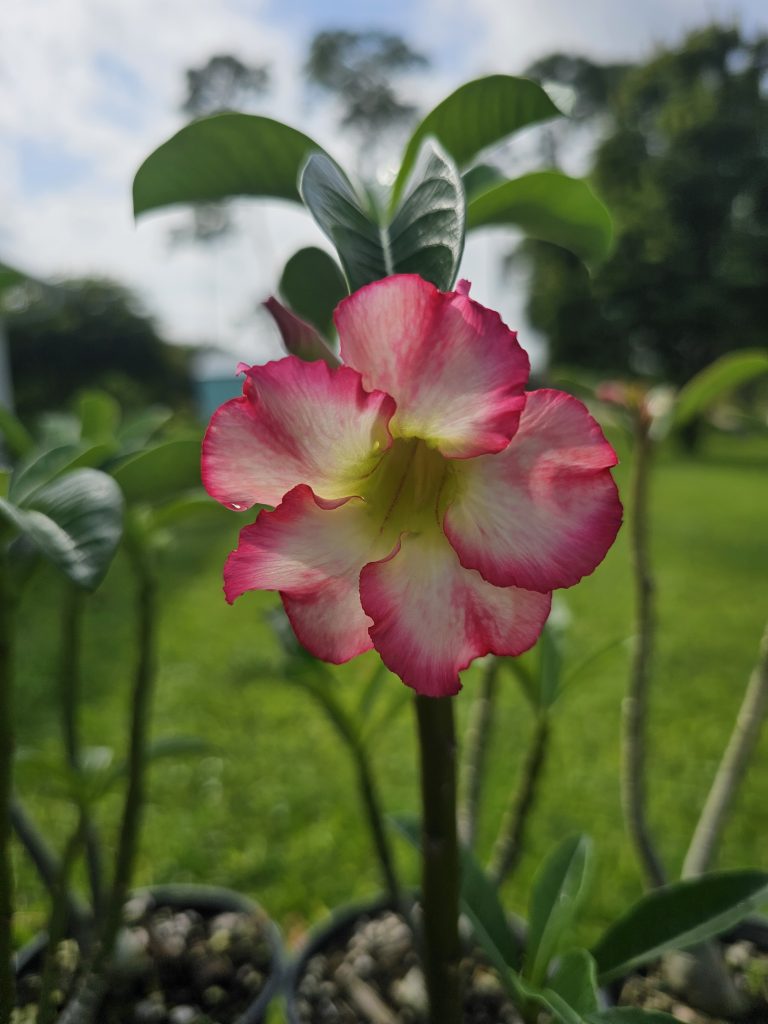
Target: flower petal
[[431, 616], [542, 513], [297, 422], [312, 552], [454, 369]]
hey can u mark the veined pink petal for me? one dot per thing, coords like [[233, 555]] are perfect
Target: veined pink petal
[[542, 513], [454, 369], [312, 552], [431, 616], [297, 422]]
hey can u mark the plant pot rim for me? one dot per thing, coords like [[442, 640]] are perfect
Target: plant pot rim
[[208, 899]]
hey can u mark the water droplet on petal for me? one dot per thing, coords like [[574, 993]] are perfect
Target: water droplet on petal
[[236, 506]]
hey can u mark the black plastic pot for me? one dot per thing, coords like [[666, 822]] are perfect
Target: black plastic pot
[[208, 901]]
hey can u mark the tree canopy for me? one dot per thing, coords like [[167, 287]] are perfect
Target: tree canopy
[[682, 166]]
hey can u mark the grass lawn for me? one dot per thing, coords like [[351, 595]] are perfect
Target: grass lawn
[[272, 809]]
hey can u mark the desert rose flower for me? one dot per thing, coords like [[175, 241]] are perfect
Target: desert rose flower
[[423, 503]]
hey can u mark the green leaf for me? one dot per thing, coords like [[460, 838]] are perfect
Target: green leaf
[[75, 522], [10, 277], [161, 749], [139, 428], [480, 178], [575, 981], [716, 380], [558, 889], [630, 1015], [313, 285], [479, 899], [425, 236], [160, 472], [677, 916], [551, 207], [40, 468], [475, 116], [99, 416], [18, 440], [550, 666], [221, 156], [480, 896], [190, 507]]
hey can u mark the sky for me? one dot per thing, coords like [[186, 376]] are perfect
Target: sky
[[88, 88]]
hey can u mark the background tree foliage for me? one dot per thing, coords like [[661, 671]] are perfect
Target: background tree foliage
[[89, 333], [681, 163]]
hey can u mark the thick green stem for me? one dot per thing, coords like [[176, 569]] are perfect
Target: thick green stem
[[731, 770], [440, 877], [70, 698], [635, 704], [7, 987], [476, 756], [509, 843]]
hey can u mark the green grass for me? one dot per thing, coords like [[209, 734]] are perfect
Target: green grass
[[272, 809]]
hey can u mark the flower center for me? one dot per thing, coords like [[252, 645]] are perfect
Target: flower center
[[410, 488]]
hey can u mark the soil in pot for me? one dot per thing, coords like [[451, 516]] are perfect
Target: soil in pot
[[746, 958], [173, 965], [369, 971]]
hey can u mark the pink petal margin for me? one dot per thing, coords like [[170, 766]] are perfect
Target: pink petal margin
[[312, 552], [454, 369], [431, 617], [297, 422], [544, 512]]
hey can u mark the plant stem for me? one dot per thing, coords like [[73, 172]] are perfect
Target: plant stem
[[137, 747], [83, 1007], [57, 927], [730, 772], [48, 868], [70, 700], [7, 987], [509, 843], [635, 704], [346, 729], [440, 858], [476, 757]]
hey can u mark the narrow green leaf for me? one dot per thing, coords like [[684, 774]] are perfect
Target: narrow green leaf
[[550, 648], [136, 430], [18, 440], [425, 236], [313, 285], [718, 379], [575, 981], [160, 472], [481, 896], [479, 899], [99, 415], [557, 1006], [75, 522], [551, 207], [677, 916], [558, 889], [189, 508], [630, 1015], [475, 116], [222, 156], [158, 750]]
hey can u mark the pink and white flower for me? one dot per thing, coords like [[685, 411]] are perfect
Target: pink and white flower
[[423, 503]]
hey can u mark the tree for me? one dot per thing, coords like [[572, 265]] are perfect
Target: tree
[[682, 167], [223, 83], [357, 69], [89, 333]]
